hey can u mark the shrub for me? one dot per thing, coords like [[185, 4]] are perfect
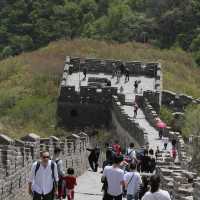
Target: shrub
[[166, 115], [192, 121]]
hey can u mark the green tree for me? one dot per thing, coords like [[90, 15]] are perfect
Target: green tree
[[7, 51]]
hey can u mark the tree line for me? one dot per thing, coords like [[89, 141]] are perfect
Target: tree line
[[29, 24]]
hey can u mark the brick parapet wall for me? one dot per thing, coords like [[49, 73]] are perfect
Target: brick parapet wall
[[130, 129], [94, 65], [177, 102], [183, 183], [16, 158]]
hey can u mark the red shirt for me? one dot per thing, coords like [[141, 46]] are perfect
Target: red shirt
[[117, 149], [70, 182]]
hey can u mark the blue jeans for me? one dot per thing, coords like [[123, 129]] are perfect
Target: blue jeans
[[131, 197]]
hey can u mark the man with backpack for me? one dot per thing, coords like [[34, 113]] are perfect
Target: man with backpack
[[131, 154], [43, 181], [61, 174]]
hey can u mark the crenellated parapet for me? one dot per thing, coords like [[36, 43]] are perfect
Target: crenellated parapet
[[179, 178], [17, 156], [95, 65]]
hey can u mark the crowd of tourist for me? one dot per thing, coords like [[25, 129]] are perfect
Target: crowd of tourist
[[126, 173], [131, 174]]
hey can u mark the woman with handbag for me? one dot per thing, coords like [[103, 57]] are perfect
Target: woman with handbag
[[132, 181]]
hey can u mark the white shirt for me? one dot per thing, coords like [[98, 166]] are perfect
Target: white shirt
[[42, 183], [133, 179], [131, 153], [115, 177], [159, 195]]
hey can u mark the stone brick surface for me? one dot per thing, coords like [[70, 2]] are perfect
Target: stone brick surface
[[16, 159]]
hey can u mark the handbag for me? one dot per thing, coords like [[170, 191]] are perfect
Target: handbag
[[124, 189]]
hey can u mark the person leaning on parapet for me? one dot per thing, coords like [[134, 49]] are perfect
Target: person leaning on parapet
[[43, 181], [155, 192], [93, 158], [61, 173]]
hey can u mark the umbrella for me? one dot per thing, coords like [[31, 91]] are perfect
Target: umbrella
[[161, 124]]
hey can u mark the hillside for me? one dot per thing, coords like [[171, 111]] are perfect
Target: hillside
[[29, 82]]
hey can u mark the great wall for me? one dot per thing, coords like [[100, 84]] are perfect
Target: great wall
[[78, 105]]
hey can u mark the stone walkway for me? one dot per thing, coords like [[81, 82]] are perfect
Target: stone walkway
[[146, 83], [152, 136], [89, 186]]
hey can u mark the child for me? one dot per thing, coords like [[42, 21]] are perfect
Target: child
[[70, 182]]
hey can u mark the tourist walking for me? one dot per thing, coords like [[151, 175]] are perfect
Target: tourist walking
[[174, 153], [84, 73], [93, 158], [61, 173], [152, 161], [122, 68], [114, 70], [165, 142], [132, 181], [145, 162], [43, 181], [115, 180], [135, 106], [161, 133], [131, 154], [118, 75], [144, 187], [127, 72], [117, 148], [155, 192], [136, 83], [109, 155], [157, 152], [70, 183]]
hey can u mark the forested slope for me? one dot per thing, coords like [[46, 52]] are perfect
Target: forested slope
[[29, 24], [29, 82]]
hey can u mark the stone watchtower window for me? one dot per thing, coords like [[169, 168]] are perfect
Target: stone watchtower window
[[73, 113]]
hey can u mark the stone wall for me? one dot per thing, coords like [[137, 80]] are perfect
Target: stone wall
[[17, 156], [177, 102], [90, 107], [125, 128], [178, 178], [155, 97], [94, 65]]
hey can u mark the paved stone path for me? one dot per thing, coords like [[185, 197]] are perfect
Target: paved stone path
[[152, 136], [89, 184], [146, 83]]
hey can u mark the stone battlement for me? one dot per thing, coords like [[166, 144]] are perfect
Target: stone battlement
[[176, 178], [17, 156], [94, 65]]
